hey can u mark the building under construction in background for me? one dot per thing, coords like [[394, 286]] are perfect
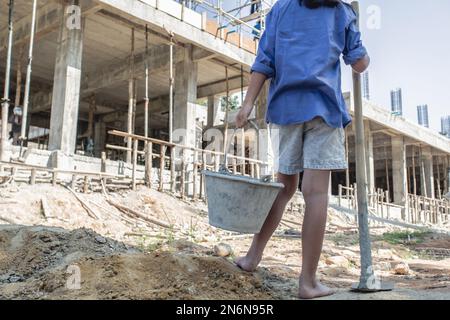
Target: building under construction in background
[[104, 84]]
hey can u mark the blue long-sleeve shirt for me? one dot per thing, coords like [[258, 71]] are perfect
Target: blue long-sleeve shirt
[[300, 51]]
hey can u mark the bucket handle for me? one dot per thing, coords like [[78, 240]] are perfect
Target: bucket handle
[[224, 165]]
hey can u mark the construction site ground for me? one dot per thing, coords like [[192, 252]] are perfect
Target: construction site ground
[[46, 233]]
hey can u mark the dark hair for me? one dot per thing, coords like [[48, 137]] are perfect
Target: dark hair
[[314, 4]]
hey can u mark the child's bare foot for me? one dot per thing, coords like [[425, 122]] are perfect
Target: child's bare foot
[[314, 291], [247, 263]]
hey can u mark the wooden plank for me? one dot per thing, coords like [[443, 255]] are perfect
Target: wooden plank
[[86, 184], [88, 209], [133, 176], [54, 178], [33, 177], [195, 174], [148, 164], [161, 167], [183, 175], [173, 176]]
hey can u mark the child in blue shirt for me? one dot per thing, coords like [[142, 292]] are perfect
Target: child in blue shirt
[[300, 53]]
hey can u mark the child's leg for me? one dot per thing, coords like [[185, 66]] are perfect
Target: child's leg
[[315, 186], [254, 255]]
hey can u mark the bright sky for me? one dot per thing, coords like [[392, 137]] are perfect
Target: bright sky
[[410, 50]]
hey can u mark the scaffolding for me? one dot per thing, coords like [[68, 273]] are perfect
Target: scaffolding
[[247, 17]]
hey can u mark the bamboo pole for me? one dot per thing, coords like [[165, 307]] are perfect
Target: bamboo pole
[[5, 100], [386, 167], [173, 176], [86, 184], [148, 163], [33, 176], [168, 144], [19, 78], [147, 98], [347, 171], [414, 170], [225, 132], [28, 77], [74, 181], [439, 177], [183, 175], [133, 177], [54, 178], [171, 83], [202, 178], [130, 99], [195, 170], [367, 271], [161, 167]]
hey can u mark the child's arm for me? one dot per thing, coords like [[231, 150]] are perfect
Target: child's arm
[[256, 83], [263, 67], [355, 54], [362, 64]]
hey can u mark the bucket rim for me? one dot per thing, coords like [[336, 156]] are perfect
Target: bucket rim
[[238, 178]]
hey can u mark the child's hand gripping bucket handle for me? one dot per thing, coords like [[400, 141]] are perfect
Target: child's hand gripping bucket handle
[[224, 165]]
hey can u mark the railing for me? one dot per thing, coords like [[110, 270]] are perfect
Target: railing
[[427, 210], [417, 210], [349, 194], [182, 162]]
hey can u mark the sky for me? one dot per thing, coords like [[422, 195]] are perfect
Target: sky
[[410, 48]]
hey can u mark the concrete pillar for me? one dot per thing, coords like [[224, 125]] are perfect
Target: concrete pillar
[[185, 98], [399, 170], [66, 84], [427, 174], [99, 138], [184, 125], [214, 112], [370, 164]]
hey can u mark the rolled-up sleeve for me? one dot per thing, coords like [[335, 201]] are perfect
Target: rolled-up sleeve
[[265, 58], [354, 49]]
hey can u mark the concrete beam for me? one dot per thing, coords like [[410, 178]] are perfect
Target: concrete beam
[[156, 106], [47, 20], [401, 125], [200, 54], [143, 13], [113, 74], [220, 87]]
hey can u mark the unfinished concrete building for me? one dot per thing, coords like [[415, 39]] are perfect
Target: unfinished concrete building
[[112, 80]]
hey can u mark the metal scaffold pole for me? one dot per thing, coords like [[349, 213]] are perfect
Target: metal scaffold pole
[[5, 100], [26, 98]]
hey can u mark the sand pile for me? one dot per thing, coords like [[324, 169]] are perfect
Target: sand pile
[[35, 263]]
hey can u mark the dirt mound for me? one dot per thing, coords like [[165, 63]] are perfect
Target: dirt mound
[[34, 264]]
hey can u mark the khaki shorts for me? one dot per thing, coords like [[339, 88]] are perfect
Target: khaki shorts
[[310, 145]]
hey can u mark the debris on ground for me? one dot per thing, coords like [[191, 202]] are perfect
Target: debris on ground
[[118, 255]]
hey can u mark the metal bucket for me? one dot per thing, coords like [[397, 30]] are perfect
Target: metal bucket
[[238, 203]]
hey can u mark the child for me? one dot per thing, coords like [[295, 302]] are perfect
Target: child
[[300, 52]]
